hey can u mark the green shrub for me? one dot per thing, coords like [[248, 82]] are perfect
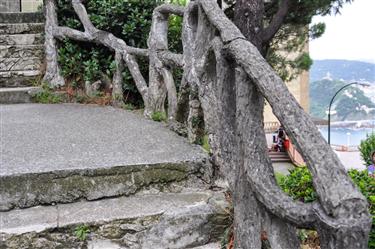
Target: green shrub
[[298, 184], [159, 116], [366, 147]]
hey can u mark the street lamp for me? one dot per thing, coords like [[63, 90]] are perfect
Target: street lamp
[[330, 104]]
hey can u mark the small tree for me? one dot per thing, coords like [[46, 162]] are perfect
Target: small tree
[[366, 147]]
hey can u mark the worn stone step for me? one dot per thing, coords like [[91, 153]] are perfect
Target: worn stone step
[[209, 246], [19, 64], [22, 39], [21, 17], [19, 78], [167, 220], [14, 96], [21, 51], [64, 153], [21, 28]]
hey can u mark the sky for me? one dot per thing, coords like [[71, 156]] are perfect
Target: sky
[[349, 36]]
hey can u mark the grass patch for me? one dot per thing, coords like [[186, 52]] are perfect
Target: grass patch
[[159, 116], [46, 96], [81, 232]]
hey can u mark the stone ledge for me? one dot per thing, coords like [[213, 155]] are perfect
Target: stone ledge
[[17, 17], [20, 73], [14, 96], [22, 39], [161, 221], [19, 81], [67, 152], [66, 186], [21, 28], [13, 52], [20, 64]]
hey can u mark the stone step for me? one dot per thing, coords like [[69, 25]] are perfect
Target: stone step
[[14, 96], [65, 153], [184, 220], [209, 246], [18, 17], [281, 160], [20, 64], [19, 78], [21, 51], [21, 28], [21, 39]]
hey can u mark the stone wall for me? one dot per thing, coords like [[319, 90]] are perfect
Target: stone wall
[[10, 6]]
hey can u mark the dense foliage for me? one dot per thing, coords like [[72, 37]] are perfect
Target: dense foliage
[[366, 147], [298, 184], [345, 103], [129, 20]]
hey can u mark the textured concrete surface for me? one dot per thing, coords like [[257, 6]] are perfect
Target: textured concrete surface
[[17, 95], [351, 160], [40, 218], [174, 221], [44, 138], [16, 17], [209, 246], [283, 167], [21, 28]]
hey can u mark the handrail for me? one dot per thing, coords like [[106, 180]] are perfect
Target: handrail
[[295, 156], [228, 77]]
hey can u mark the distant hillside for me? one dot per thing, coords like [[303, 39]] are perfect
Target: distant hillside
[[350, 104], [342, 70]]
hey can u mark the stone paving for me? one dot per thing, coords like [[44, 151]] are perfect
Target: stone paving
[[39, 138]]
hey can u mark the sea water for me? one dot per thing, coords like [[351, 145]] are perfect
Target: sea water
[[346, 136]]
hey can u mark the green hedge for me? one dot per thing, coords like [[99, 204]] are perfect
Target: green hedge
[[298, 184], [366, 147]]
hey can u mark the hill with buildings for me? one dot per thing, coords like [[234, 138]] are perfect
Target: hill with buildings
[[346, 70], [350, 104]]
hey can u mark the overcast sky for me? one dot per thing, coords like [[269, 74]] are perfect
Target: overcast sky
[[350, 35]]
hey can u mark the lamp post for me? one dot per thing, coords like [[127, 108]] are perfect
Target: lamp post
[[330, 104]]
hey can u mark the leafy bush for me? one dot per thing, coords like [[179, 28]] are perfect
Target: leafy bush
[[366, 147], [159, 116], [298, 184]]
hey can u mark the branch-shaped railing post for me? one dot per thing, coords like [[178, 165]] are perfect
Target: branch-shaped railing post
[[117, 93], [161, 77], [161, 80], [52, 74]]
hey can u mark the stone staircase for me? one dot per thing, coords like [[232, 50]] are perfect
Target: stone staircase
[[279, 157], [21, 55], [76, 176]]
